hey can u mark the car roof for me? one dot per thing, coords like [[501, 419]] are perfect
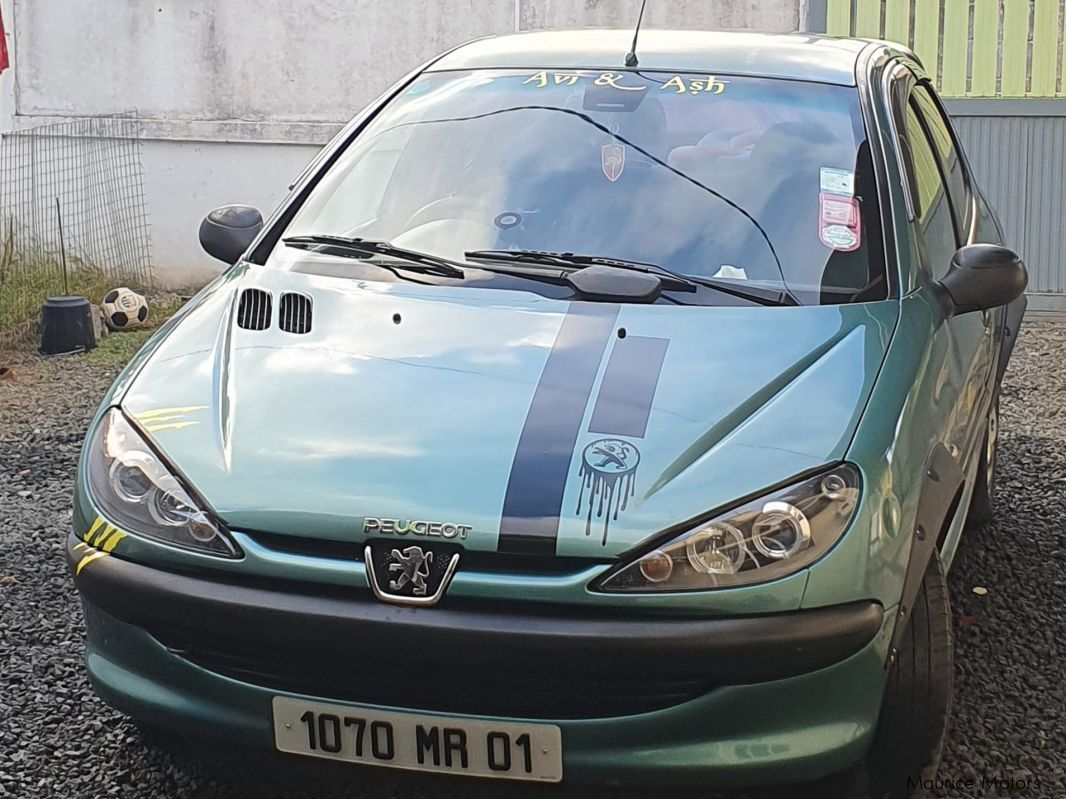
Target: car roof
[[793, 55]]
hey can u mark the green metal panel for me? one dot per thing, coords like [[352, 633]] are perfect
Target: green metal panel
[[985, 47], [956, 33], [898, 21], [972, 48], [1015, 48], [927, 34], [838, 17], [1045, 47], [868, 18]]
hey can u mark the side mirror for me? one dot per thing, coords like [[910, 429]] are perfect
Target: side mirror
[[228, 231], [982, 276]]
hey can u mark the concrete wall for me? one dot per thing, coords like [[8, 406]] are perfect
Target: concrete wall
[[238, 95]]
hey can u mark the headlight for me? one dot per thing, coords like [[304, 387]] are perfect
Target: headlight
[[767, 538], [137, 492]]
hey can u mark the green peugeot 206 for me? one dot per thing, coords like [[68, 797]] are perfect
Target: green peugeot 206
[[588, 415]]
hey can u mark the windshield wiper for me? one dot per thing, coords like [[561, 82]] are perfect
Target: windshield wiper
[[672, 281], [425, 262], [569, 262]]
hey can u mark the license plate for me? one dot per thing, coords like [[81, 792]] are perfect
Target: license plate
[[416, 742]]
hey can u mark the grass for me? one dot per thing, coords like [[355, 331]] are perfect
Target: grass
[[26, 280], [24, 288], [114, 349], [117, 348]]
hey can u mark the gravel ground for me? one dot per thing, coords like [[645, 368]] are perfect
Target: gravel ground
[[58, 740]]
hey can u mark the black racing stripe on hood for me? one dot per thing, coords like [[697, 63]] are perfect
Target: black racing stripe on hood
[[539, 472], [627, 390]]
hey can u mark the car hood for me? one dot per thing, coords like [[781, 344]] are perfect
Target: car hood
[[523, 423]]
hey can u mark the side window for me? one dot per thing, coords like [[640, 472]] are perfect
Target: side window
[[950, 163], [936, 226]]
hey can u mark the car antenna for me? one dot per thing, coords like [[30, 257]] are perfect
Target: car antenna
[[631, 56]]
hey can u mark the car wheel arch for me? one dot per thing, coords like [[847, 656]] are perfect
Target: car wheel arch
[[943, 484]]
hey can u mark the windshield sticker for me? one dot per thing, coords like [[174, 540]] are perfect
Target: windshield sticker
[[623, 81], [839, 222], [707, 85], [608, 472], [615, 80], [612, 79], [544, 78], [837, 181], [839, 210], [840, 238], [613, 160]]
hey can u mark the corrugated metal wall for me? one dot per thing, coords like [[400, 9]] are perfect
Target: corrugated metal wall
[[1019, 161], [1045, 225]]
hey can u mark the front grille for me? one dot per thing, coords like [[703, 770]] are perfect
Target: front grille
[[349, 674], [470, 561]]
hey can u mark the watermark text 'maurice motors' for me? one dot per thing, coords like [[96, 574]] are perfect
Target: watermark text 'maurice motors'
[[1019, 784]]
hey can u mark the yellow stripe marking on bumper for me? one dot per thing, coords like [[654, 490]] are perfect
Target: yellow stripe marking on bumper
[[95, 526], [113, 540], [88, 559], [108, 529]]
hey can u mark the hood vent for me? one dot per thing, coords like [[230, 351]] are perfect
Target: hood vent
[[253, 312], [294, 311]]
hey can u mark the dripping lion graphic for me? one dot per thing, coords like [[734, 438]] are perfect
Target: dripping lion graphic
[[608, 480]]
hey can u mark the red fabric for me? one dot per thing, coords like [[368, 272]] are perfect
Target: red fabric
[[4, 62]]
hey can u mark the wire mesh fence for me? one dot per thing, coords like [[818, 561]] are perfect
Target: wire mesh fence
[[72, 215]]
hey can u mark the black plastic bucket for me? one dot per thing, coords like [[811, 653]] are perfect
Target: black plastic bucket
[[66, 325]]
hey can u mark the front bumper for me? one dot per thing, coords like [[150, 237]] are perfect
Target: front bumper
[[737, 701]]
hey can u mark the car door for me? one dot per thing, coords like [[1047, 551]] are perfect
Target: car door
[[943, 204]]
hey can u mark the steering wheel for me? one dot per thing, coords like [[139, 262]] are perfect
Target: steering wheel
[[444, 208]]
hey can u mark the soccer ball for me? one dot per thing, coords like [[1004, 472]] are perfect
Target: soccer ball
[[124, 307]]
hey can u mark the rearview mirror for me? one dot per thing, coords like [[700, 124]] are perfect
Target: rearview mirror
[[228, 231], [982, 276]]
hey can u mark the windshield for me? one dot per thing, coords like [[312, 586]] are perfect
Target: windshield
[[764, 181]]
